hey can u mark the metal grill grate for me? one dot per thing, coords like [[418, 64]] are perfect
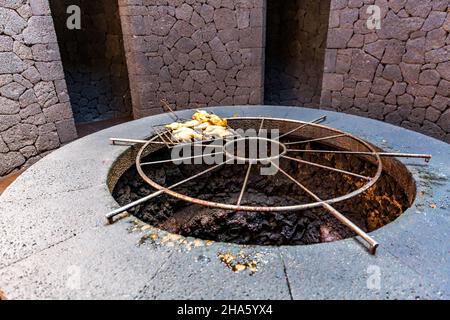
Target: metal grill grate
[[290, 146]]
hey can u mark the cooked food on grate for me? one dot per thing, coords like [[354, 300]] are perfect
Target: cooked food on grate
[[203, 125], [217, 132], [205, 117], [184, 134], [178, 125]]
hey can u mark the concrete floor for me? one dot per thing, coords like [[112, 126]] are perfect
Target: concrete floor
[[6, 181]]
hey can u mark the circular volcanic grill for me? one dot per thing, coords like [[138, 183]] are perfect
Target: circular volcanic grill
[[296, 138], [357, 144]]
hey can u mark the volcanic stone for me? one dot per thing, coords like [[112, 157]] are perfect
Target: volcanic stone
[[10, 161], [162, 26], [28, 151], [415, 50], [19, 136], [363, 66], [410, 72], [185, 45], [381, 86], [440, 102], [58, 112], [338, 38], [392, 72], [6, 43], [435, 20], [8, 106], [10, 22], [444, 70], [429, 77], [12, 90], [435, 39], [50, 71], [444, 120], [432, 114], [418, 8], [10, 63], [438, 55], [184, 12], [31, 110], [332, 81], [443, 88], [207, 13], [46, 52], [47, 141], [7, 121], [225, 18], [40, 30]]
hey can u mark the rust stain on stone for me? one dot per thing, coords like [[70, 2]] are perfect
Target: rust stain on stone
[[240, 262], [2, 295], [157, 237]]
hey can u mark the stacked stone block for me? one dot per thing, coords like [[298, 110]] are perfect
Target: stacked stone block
[[399, 73], [35, 113], [193, 53]]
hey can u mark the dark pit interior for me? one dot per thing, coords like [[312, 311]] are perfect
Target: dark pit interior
[[380, 205]]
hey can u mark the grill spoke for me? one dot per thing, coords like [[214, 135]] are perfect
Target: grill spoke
[[180, 159], [123, 141], [116, 212], [244, 186], [247, 175], [315, 121], [328, 168], [372, 243], [318, 139], [427, 157]]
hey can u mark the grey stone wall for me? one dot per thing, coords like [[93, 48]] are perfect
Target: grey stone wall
[[400, 73], [194, 53], [295, 50], [35, 113], [199, 53], [94, 60]]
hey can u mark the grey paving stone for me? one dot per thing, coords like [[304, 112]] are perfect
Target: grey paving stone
[[51, 228]]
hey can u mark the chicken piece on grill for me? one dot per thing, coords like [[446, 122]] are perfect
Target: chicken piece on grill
[[202, 124], [204, 117], [178, 125], [186, 134], [216, 120], [217, 132], [173, 126]]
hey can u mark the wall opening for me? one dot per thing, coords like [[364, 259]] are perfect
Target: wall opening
[[296, 37], [94, 60]]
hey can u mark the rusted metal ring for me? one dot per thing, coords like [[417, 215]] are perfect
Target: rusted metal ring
[[299, 207], [230, 155]]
